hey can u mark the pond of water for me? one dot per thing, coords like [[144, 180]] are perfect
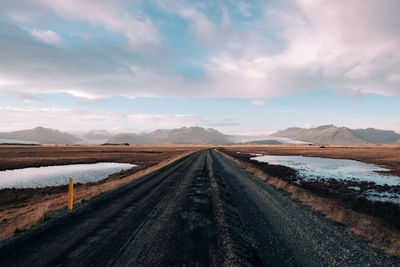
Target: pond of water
[[323, 169], [327, 168], [59, 175]]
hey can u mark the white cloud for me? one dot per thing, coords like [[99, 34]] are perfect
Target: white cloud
[[167, 120], [349, 46], [47, 36], [73, 119], [244, 8], [23, 11], [258, 102], [138, 28], [25, 118], [393, 77], [204, 30], [327, 44], [23, 17]]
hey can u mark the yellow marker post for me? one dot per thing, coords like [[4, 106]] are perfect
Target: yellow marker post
[[71, 194]]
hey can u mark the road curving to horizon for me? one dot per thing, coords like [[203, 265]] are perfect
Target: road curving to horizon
[[201, 210]]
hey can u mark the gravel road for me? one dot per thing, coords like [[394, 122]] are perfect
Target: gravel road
[[202, 210]]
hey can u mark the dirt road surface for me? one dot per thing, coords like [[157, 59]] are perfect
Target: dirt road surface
[[202, 210]]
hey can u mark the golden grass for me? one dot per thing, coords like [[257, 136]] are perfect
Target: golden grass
[[372, 229], [15, 157], [22, 215]]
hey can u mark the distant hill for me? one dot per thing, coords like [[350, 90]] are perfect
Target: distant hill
[[191, 135], [185, 135], [327, 134], [134, 139], [98, 135], [332, 135], [375, 136], [262, 142], [41, 135]]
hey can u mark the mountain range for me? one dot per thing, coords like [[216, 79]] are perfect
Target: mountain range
[[333, 135], [261, 142], [327, 134], [98, 135], [185, 135], [41, 135]]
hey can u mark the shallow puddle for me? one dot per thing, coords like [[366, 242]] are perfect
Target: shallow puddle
[[59, 175], [324, 169], [328, 168]]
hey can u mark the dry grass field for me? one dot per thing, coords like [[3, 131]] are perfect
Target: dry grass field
[[15, 157], [22, 208]]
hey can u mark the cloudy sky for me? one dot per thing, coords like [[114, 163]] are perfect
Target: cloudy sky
[[236, 66]]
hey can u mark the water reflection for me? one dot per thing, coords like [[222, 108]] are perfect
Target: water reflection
[[58, 175], [327, 168], [350, 172]]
